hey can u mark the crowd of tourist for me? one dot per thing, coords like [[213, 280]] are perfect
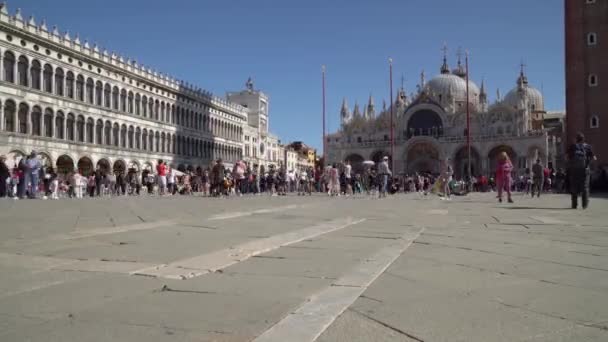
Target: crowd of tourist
[[29, 179]]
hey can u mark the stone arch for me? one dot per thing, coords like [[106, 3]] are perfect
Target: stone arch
[[119, 167], [104, 165], [134, 166], [460, 162], [64, 164], [13, 157], [356, 161], [419, 110], [423, 156], [85, 166], [148, 166], [496, 150], [45, 159]]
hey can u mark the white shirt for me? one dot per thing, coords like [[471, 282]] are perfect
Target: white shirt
[[171, 176], [347, 170]]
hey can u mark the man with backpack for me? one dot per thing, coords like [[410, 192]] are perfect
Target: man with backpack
[[580, 155], [538, 174]]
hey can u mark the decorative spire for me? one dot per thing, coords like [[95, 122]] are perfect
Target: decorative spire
[[3, 8], [18, 16], [445, 69], [345, 113], [522, 80], [383, 105], [55, 31], [459, 70], [43, 25], [356, 111], [371, 108], [31, 21], [422, 81], [498, 96], [482, 90]]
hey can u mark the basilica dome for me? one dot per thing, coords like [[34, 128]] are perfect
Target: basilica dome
[[446, 85], [523, 91]]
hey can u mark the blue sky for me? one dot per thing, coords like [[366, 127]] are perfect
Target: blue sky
[[282, 44]]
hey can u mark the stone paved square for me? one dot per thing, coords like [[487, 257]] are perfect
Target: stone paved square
[[405, 268]]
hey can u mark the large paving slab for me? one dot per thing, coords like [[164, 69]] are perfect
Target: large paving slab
[[406, 268]]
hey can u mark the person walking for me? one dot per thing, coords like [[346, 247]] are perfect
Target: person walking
[[161, 170], [446, 175], [503, 176], [580, 154], [384, 173], [33, 173], [538, 178], [348, 178], [5, 175]]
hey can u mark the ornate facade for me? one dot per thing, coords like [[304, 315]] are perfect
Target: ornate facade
[[83, 107], [430, 126]]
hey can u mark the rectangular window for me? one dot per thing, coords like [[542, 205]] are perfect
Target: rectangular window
[[593, 80]]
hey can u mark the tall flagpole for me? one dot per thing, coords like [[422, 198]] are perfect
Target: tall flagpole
[[466, 61], [324, 132], [390, 66]]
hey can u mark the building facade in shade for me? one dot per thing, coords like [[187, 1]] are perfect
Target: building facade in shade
[[586, 33], [81, 107], [262, 149], [430, 126]]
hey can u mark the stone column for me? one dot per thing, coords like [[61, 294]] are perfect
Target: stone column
[[53, 126], [28, 121], [2, 67], [42, 124], [1, 112]]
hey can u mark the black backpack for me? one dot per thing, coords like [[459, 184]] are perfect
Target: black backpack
[[579, 156]]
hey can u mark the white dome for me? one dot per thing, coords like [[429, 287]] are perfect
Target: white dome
[[533, 96], [446, 84]]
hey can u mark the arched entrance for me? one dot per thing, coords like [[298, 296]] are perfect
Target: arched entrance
[[85, 166], [148, 166], [45, 160], [13, 158], [493, 156], [356, 161], [377, 156], [65, 165], [104, 166], [460, 163], [119, 167], [134, 166], [423, 157]]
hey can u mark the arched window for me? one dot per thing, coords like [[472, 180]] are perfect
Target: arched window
[[107, 133], [47, 78], [162, 142], [157, 142], [156, 110], [69, 84], [9, 115], [123, 136], [90, 130], [59, 81], [123, 101], [22, 117], [174, 144], [130, 103], [69, 127], [137, 104], [151, 142], [80, 88], [138, 138], [22, 69], [162, 111], [48, 123], [130, 137], [144, 140], [36, 121], [80, 128], [151, 108], [173, 114], [115, 134], [595, 121], [35, 71], [144, 106], [592, 80], [591, 38], [99, 132], [115, 98], [107, 93], [179, 121], [59, 125], [90, 90], [98, 93], [9, 67]]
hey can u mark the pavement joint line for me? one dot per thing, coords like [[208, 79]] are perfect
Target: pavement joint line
[[316, 314], [387, 325], [237, 214], [221, 259]]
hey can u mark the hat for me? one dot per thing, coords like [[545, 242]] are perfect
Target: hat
[[385, 158]]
